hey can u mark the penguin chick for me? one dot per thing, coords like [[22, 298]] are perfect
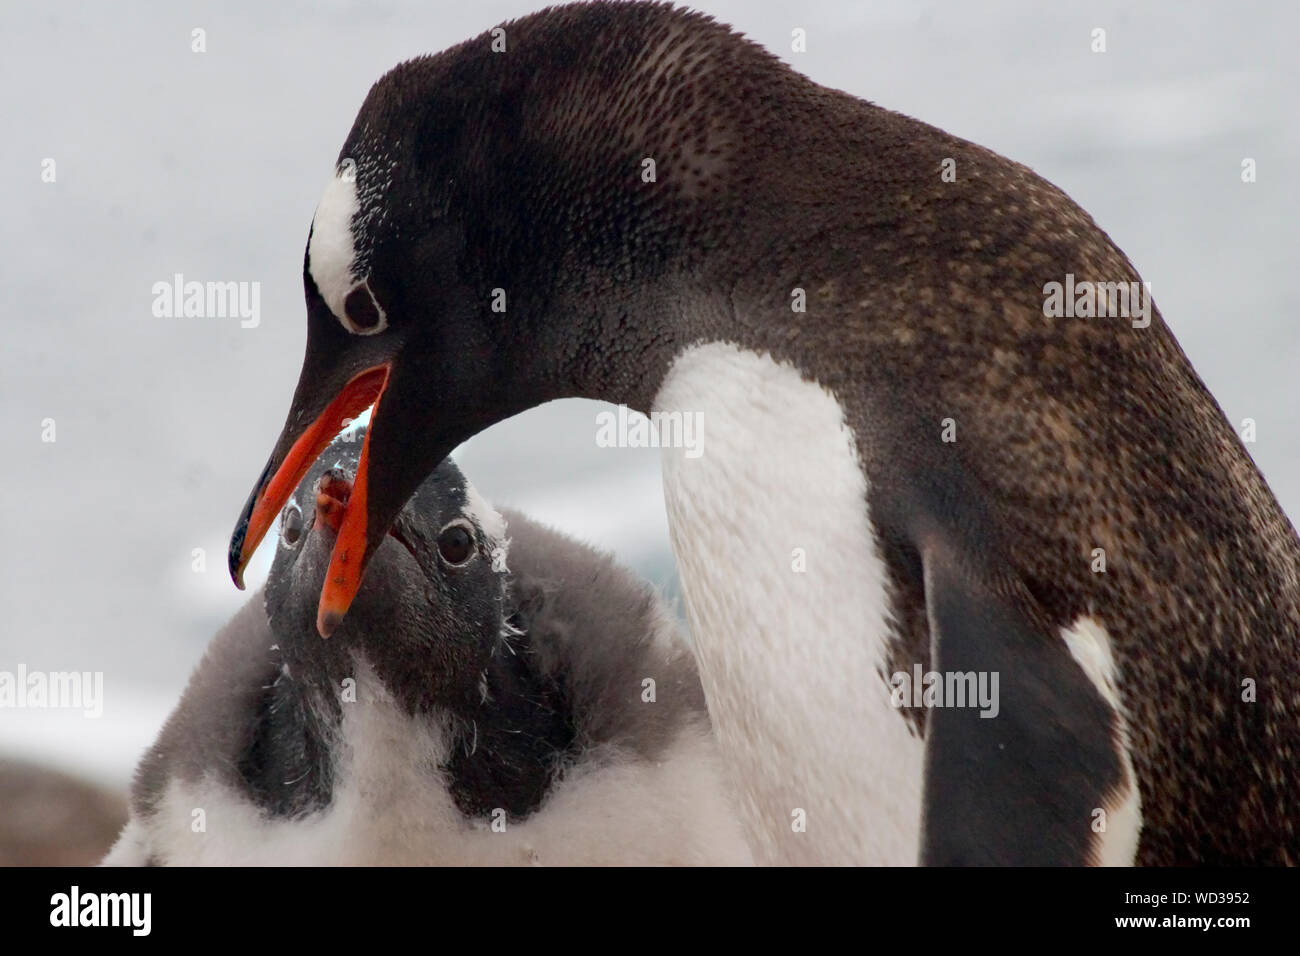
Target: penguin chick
[[489, 700]]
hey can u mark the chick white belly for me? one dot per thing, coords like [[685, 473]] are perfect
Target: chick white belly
[[791, 660], [390, 806]]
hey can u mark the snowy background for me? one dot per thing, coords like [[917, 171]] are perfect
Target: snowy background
[[211, 164]]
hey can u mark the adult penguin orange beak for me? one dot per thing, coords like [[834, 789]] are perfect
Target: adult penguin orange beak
[[343, 374], [368, 345], [400, 448], [294, 454], [420, 415]]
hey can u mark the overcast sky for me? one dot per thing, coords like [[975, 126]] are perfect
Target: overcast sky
[[210, 164]]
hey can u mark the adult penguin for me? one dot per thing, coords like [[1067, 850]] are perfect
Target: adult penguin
[[917, 459]]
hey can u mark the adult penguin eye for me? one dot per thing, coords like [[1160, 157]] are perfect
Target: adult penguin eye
[[455, 544], [363, 311], [291, 524]]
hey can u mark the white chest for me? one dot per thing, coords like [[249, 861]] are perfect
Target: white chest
[[785, 592]]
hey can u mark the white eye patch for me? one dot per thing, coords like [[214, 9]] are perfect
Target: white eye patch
[[488, 519], [332, 258]]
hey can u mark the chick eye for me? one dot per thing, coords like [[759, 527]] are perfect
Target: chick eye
[[291, 525], [455, 544]]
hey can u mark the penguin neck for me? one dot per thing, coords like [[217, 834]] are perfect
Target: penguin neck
[[503, 733], [512, 735], [287, 764], [655, 324]]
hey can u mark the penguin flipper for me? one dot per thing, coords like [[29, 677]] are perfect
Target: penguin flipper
[[1019, 781]]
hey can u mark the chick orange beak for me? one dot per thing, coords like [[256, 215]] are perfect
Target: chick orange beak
[[280, 478]]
